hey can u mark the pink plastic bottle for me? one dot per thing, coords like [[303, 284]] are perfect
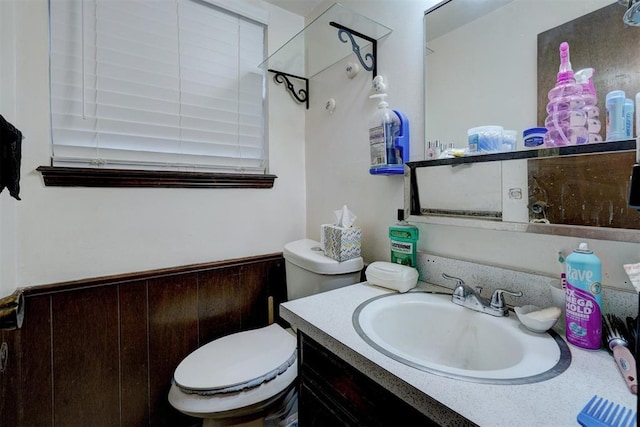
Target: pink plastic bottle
[[566, 120]]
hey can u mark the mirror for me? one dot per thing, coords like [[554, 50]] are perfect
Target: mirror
[[486, 67]]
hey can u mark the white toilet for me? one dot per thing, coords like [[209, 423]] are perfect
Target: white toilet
[[241, 378]]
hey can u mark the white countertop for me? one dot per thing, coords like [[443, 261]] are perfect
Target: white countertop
[[327, 318]]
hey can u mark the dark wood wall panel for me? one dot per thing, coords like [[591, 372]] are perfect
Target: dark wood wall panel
[[134, 353], [173, 334], [590, 189], [102, 351], [34, 389], [8, 402], [254, 313], [218, 302], [596, 40], [86, 356]]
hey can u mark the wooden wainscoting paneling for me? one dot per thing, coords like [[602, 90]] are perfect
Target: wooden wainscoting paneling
[[219, 303], [173, 334], [102, 351], [134, 353], [86, 356], [32, 367]]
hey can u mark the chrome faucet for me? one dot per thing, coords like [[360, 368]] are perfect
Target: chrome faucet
[[468, 297]]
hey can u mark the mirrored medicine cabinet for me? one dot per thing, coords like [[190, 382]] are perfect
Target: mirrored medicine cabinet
[[492, 63]]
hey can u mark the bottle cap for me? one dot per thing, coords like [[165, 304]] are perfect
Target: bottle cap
[[530, 131], [400, 214], [584, 248], [616, 94]]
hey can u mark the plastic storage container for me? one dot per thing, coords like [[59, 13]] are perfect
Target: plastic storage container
[[509, 138], [392, 276], [533, 137], [566, 121], [615, 115], [485, 139]]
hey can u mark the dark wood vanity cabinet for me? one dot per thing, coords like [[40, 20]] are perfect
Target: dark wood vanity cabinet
[[333, 393]]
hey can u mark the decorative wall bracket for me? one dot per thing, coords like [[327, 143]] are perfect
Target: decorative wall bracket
[[302, 95], [371, 57], [315, 48]]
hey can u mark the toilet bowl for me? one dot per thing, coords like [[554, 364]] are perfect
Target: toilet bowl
[[246, 376]]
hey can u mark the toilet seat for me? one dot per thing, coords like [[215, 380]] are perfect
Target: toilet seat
[[237, 361], [238, 404], [237, 374]]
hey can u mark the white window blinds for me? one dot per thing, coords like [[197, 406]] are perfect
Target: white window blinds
[[156, 84]]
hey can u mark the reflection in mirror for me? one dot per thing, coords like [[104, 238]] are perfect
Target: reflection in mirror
[[472, 190], [587, 190], [487, 71]]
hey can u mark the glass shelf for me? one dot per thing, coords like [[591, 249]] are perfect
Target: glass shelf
[[569, 150], [317, 46]]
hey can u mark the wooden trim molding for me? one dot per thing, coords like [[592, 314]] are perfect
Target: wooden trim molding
[[146, 275], [55, 176]]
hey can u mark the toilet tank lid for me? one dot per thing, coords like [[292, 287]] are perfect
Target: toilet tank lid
[[308, 254]]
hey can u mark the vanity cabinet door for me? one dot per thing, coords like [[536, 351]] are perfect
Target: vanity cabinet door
[[333, 393]]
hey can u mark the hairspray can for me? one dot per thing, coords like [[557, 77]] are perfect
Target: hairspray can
[[584, 299]]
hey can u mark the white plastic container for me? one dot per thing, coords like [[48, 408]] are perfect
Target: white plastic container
[[392, 276], [509, 138], [485, 139]]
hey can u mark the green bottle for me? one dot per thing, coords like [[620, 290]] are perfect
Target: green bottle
[[404, 240]]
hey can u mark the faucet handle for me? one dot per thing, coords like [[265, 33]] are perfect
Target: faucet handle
[[459, 281], [497, 299]]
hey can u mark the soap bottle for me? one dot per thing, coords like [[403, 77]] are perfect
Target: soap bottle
[[583, 322], [566, 121], [383, 128], [590, 97], [404, 241]]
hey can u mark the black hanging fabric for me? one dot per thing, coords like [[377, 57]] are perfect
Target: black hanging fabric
[[10, 155]]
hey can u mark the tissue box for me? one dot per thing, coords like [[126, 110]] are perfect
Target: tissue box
[[341, 243]]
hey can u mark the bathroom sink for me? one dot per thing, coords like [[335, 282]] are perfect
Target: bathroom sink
[[428, 332]]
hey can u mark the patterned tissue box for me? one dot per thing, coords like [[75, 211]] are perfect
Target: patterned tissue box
[[341, 243]]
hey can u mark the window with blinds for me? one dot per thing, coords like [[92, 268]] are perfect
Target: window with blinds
[[156, 84]]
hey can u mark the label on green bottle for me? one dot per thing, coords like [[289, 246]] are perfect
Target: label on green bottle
[[403, 244], [402, 253]]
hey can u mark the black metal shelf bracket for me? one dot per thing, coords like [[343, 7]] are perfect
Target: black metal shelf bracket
[[372, 57], [302, 95]]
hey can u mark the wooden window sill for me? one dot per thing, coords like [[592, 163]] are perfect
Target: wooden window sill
[[55, 176]]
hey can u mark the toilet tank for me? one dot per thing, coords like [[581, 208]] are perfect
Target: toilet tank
[[310, 272]]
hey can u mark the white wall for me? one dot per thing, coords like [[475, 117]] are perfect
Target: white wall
[[74, 233], [58, 234], [337, 157], [338, 145], [8, 256]]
